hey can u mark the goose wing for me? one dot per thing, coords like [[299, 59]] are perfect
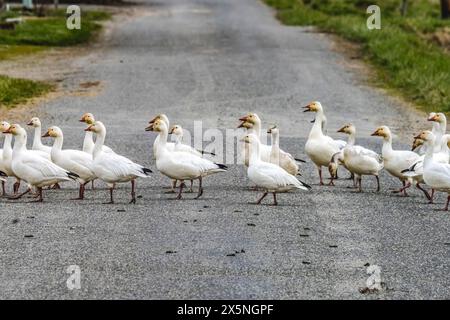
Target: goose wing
[[121, 166], [44, 169], [266, 174]]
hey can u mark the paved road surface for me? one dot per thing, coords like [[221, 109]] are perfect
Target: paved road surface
[[215, 61]]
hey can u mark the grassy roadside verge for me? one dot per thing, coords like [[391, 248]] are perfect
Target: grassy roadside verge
[[35, 34], [404, 52]]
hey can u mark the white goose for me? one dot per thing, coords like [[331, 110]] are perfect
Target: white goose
[[88, 142], [441, 156], [435, 174], [319, 147], [6, 159], [180, 165], [177, 131], [113, 168], [169, 145], [37, 143], [395, 161], [359, 160], [35, 170], [268, 176], [75, 161], [279, 157]]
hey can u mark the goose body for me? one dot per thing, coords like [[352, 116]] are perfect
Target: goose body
[[114, 168], [37, 171], [268, 176], [180, 165], [75, 161], [359, 160], [435, 174], [395, 161], [320, 148]]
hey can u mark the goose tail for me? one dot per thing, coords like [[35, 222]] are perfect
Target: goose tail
[[146, 171], [303, 185], [206, 152], [222, 167]]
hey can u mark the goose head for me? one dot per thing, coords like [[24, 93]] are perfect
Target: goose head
[[161, 117], [4, 126], [348, 129], [382, 131], [251, 118], [314, 106], [273, 130], [158, 126], [87, 118], [16, 130], [176, 130], [416, 143], [246, 125], [53, 132], [34, 122], [250, 139], [96, 127], [438, 117], [427, 137]]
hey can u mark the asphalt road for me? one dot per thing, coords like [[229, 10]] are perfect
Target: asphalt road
[[214, 61]]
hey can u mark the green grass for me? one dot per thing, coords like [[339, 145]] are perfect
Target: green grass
[[36, 34], [403, 58], [52, 31], [15, 91]]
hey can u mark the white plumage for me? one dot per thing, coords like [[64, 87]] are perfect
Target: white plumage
[[320, 148], [35, 170], [113, 168], [180, 165], [75, 161], [359, 160], [269, 176]]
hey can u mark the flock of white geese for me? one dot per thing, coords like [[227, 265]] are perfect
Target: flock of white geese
[[271, 169]]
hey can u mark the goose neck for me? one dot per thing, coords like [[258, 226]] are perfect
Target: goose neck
[[351, 139], [254, 153], [37, 138]]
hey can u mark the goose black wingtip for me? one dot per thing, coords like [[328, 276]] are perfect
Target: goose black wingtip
[[221, 166], [147, 170]]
